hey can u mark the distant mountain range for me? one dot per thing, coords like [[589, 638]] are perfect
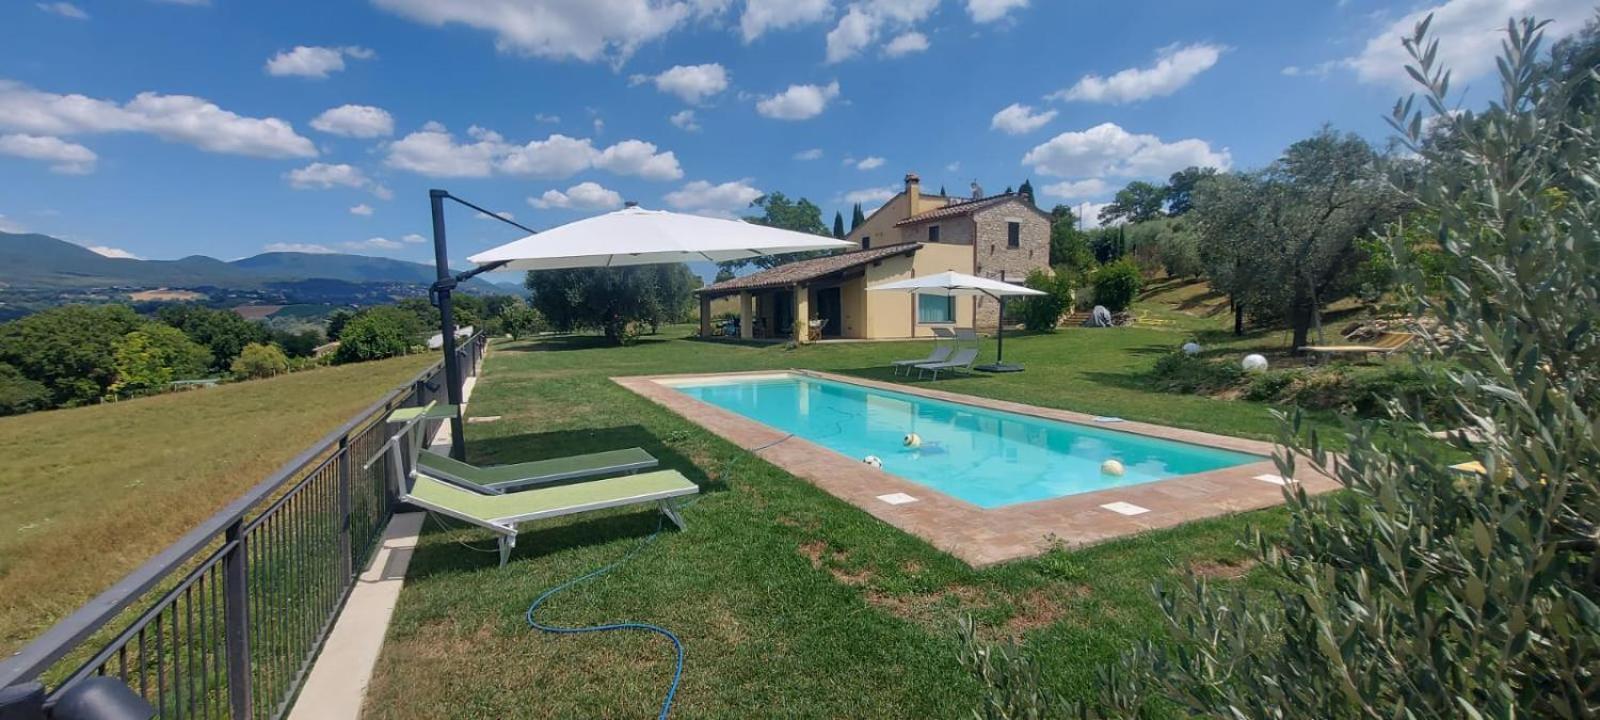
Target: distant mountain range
[[41, 262]]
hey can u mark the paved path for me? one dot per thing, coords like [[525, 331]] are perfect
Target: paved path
[[338, 681]]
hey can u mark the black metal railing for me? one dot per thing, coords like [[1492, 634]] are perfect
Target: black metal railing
[[225, 622]]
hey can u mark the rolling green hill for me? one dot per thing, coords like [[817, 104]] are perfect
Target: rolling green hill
[[33, 261]]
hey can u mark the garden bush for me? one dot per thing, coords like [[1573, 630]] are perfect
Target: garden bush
[[1040, 313], [1116, 285], [258, 361], [1180, 372]]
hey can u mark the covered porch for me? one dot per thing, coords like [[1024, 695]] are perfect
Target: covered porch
[[811, 300]]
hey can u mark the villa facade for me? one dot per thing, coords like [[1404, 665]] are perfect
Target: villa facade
[[911, 235]]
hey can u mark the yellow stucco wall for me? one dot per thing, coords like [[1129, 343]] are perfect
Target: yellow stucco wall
[[893, 315], [880, 225]]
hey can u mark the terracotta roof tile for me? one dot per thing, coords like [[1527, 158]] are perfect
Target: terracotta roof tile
[[803, 270], [957, 209]]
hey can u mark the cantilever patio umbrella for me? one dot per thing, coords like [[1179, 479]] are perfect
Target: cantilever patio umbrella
[[630, 236], [954, 284]]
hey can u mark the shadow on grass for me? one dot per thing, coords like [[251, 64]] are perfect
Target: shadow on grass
[[563, 343], [887, 374], [736, 342], [539, 539]]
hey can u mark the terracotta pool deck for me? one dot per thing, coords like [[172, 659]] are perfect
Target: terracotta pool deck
[[980, 536]]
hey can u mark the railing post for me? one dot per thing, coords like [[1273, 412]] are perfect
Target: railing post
[[236, 621], [346, 555]]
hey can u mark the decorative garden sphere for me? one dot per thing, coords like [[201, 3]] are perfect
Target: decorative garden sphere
[[1112, 467], [913, 440], [1254, 363], [1191, 348], [874, 461]]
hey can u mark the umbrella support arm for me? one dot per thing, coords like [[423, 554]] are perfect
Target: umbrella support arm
[[439, 293]]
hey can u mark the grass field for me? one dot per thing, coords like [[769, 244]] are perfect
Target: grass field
[[86, 494], [790, 603]]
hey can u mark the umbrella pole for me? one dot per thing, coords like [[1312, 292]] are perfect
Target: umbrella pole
[[447, 330]]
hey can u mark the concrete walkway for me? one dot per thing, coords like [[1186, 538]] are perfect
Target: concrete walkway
[[338, 681]]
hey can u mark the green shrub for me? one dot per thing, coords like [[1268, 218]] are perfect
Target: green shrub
[[151, 357], [1180, 372], [258, 361], [377, 333], [1270, 386], [1040, 313], [18, 394], [1116, 285]]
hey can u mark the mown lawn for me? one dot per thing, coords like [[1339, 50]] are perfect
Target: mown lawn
[[87, 494], [790, 603]]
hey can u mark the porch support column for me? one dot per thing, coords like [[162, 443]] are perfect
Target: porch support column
[[802, 315], [705, 315], [747, 324]]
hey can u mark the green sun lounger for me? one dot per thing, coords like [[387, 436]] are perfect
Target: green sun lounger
[[501, 513], [500, 479]]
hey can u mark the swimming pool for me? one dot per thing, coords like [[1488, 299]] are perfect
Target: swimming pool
[[990, 458]]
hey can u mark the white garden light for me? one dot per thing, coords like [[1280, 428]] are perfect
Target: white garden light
[[1254, 363]]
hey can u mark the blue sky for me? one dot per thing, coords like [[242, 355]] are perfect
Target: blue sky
[[166, 128]]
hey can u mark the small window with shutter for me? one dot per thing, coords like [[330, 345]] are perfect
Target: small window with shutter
[[1013, 234]]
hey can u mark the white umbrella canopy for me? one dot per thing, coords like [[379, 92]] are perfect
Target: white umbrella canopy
[[636, 236], [954, 284]]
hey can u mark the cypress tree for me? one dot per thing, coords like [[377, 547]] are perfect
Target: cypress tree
[[942, 193], [857, 218], [1027, 189], [838, 225]]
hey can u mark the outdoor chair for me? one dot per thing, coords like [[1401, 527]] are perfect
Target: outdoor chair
[[939, 354], [501, 514], [1386, 343], [962, 360], [501, 479]]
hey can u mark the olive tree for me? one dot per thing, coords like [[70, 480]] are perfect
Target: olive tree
[[1422, 591]]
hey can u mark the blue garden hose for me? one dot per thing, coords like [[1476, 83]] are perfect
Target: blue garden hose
[[677, 672]]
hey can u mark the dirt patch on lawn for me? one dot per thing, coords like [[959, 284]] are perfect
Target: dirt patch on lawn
[[835, 562], [1222, 569], [1039, 608], [926, 608]]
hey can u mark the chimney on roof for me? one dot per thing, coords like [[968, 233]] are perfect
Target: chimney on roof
[[913, 193], [977, 190]]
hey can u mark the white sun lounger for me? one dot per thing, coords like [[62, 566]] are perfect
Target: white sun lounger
[[962, 361]]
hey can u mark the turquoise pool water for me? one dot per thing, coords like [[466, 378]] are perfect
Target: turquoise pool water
[[986, 457]]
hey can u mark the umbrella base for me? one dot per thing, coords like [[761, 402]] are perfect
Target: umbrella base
[[999, 368]]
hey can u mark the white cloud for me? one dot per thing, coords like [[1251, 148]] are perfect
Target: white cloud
[[954, 167], [312, 248], [855, 31], [639, 159], [313, 62], [685, 120], [373, 243], [64, 157], [799, 102], [176, 118], [905, 44], [1469, 34], [557, 156], [64, 9], [1017, 119], [871, 196], [113, 252], [871, 163], [357, 121], [904, 11], [1318, 70], [434, 151], [691, 83], [545, 118], [1077, 189], [583, 196], [413, 239], [503, 214], [1108, 150], [811, 154], [701, 196], [363, 210], [1175, 67], [11, 226], [325, 176], [585, 30], [988, 11], [763, 15], [1090, 213]]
